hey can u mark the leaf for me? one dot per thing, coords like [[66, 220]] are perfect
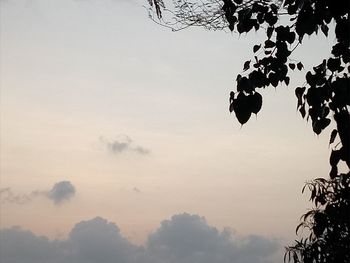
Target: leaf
[[335, 157], [232, 105], [324, 123], [324, 29], [286, 80], [300, 66], [302, 110], [273, 79], [241, 108], [244, 84], [256, 48], [246, 65], [299, 91], [269, 44], [334, 172], [333, 135], [269, 32], [232, 96], [317, 127], [313, 194], [291, 37], [255, 102], [291, 66], [333, 64], [298, 227]]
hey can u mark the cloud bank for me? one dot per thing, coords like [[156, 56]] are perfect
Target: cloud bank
[[184, 238], [60, 192], [123, 144]]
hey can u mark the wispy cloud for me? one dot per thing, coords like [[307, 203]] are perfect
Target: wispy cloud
[[123, 144], [60, 192], [136, 190], [7, 196]]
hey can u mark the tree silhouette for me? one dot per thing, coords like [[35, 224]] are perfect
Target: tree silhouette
[[325, 97]]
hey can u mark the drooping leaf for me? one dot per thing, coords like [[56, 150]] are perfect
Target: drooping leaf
[[291, 66], [333, 173], [246, 65], [273, 78], [231, 108], [269, 44], [269, 32], [291, 37], [324, 29], [333, 135], [333, 64], [324, 123], [335, 157], [302, 110], [300, 66], [317, 127], [255, 102], [299, 91], [286, 80], [241, 108], [232, 96], [256, 48]]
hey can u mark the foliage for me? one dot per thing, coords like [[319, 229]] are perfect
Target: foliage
[[328, 223], [325, 96]]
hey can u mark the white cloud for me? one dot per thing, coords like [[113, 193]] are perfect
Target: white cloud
[[184, 238]]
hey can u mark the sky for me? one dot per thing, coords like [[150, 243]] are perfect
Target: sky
[[116, 138]]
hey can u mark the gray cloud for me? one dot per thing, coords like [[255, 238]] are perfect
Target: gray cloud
[[189, 239], [61, 191], [7, 196], [123, 144], [182, 239]]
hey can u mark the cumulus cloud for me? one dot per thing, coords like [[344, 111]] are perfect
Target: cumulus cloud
[[188, 238], [61, 191], [123, 144], [184, 238]]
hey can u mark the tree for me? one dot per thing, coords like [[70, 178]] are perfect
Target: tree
[[325, 97]]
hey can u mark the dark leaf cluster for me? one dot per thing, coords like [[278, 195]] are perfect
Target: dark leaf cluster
[[328, 223], [323, 100]]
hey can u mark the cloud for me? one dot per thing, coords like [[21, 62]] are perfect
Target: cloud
[[100, 241], [61, 191], [184, 238], [136, 190], [188, 238], [7, 196], [122, 145]]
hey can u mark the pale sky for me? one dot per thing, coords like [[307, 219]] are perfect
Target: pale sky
[[136, 118]]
